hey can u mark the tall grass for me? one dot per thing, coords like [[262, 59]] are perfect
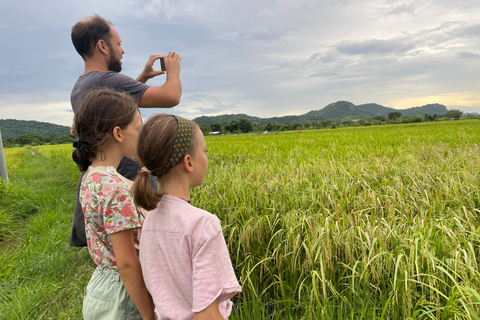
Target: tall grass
[[355, 223], [41, 277]]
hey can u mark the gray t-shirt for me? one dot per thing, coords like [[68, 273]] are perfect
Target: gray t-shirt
[[108, 79]]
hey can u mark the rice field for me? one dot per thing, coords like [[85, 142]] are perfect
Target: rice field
[[352, 223]]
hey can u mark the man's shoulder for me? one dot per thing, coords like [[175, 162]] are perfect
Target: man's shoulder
[[105, 79], [96, 77]]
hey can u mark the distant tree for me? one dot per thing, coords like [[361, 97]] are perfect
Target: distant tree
[[380, 118], [323, 123], [216, 126], [285, 126], [63, 139], [245, 125], [394, 115], [471, 116], [28, 138], [268, 127], [232, 126], [48, 138], [205, 129], [454, 114], [256, 127]]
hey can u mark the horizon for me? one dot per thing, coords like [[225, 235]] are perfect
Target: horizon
[[290, 115], [264, 60]]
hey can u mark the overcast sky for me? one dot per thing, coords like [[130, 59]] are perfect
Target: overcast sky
[[262, 58]]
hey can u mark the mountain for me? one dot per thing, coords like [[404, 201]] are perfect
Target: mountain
[[13, 128], [342, 110]]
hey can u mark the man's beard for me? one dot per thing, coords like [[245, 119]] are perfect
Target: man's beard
[[114, 64]]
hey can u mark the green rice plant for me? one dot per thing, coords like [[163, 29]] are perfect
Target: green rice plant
[[353, 223]]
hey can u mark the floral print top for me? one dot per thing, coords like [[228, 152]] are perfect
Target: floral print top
[[108, 207]]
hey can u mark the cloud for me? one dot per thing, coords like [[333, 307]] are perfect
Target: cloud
[[468, 55], [261, 58], [403, 9], [375, 47]]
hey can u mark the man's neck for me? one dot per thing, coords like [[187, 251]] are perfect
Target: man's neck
[[94, 66]]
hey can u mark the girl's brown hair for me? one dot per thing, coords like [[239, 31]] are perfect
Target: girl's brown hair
[[154, 150], [100, 112]]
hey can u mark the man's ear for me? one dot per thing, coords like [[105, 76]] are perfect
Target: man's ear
[[117, 134], [188, 163], [102, 46]]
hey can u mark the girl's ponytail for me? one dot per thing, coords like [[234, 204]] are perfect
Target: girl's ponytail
[[143, 194], [82, 154]]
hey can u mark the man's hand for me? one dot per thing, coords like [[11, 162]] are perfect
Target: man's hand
[[172, 62], [169, 94], [148, 72]]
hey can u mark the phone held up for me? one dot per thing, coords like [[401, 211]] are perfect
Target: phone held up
[[162, 64]]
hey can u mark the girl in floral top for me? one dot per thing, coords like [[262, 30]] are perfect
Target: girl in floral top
[[108, 124]]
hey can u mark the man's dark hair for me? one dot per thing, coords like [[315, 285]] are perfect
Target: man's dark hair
[[86, 33]]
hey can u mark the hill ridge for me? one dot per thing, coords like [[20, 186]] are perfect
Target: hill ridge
[[343, 110]]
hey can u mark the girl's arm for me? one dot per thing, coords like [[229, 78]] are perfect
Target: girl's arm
[[209, 313], [131, 272]]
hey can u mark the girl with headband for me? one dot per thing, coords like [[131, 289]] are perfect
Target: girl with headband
[[108, 124], [184, 257]]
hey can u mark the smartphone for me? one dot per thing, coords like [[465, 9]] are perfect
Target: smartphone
[[162, 64]]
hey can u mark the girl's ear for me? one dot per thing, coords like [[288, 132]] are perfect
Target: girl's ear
[[188, 163], [117, 134]]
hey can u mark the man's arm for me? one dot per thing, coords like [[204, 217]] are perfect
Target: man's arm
[[169, 94]]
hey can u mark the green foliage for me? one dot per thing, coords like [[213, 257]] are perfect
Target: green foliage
[[454, 114], [340, 110], [41, 277], [378, 222], [394, 115], [36, 140], [245, 125], [216, 127], [14, 128], [353, 223]]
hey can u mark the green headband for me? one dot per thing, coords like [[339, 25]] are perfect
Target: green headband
[[182, 142]]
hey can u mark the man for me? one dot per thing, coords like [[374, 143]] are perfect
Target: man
[[99, 44]]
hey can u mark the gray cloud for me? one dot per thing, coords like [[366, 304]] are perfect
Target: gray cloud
[[264, 59], [375, 47], [468, 55]]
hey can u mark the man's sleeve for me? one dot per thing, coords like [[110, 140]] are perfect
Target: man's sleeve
[[124, 83]]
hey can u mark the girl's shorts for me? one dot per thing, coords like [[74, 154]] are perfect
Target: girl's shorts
[[107, 299]]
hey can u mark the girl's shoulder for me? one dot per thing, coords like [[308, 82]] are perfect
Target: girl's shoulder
[[105, 176], [178, 214]]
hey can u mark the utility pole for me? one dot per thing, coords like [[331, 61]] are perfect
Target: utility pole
[[3, 164]]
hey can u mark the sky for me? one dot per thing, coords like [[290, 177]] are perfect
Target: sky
[[262, 58]]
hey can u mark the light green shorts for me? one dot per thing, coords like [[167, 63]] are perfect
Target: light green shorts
[[107, 299]]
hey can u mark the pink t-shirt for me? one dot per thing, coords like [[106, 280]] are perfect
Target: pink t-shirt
[[185, 260]]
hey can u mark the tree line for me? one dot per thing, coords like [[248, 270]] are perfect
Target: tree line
[[245, 125], [35, 139]]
